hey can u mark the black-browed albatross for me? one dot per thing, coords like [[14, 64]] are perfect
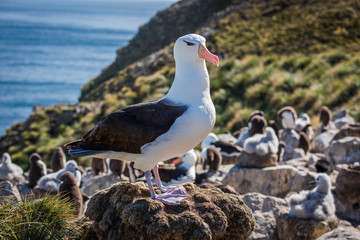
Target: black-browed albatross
[[154, 131]]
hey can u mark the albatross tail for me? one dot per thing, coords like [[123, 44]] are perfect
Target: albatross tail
[[84, 152], [76, 150]]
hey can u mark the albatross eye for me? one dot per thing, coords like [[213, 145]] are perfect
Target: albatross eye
[[189, 43]]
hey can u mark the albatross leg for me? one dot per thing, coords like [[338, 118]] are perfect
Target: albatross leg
[[172, 197], [159, 184], [161, 187], [151, 188]]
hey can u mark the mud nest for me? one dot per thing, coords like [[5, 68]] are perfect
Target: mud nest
[[126, 211]]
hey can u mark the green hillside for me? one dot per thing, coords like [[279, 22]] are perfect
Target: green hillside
[[272, 53]]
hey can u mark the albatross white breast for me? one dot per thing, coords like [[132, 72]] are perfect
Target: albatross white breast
[[154, 131]]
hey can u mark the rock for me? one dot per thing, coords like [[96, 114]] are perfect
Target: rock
[[126, 211], [203, 176], [92, 184], [266, 210], [295, 153], [298, 163], [345, 150], [348, 185], [229, 158], [347, 197], [247, 160], [280, 180], [322, 141], [345, 210], [291, 228], [340, 233], [8, 192], [301, 180], [342, 119]]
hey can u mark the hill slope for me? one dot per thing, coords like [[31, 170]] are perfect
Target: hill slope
[[273, 53]]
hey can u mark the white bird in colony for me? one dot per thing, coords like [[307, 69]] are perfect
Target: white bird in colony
[[302, 121], [262, 144], [155, 131], [317, 204], [209, 140], [250, 130], [342, 118], [224, 146], [184, 172], [51, 181], [9, 170]]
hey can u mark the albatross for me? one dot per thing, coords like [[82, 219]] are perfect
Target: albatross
[[154, 131]]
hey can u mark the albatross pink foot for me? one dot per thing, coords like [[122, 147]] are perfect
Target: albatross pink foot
[[159, 184], [172, 196]]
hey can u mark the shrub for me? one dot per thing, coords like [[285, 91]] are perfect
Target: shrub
[[47, 218]]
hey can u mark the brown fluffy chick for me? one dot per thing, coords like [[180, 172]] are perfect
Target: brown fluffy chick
[[58, 160], [68, 188], [37, 169], [213, 159], [98, 165]]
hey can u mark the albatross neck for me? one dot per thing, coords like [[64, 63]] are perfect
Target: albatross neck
[[191, 83]]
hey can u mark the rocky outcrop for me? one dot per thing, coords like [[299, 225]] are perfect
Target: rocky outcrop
[[165, 27], [348, 185], [253, 160], [291, 228], [322, 141], [340, 233], [345, 150], [266, 210], [23, 135], [347, 193], [91, 183], [126, 211], [273, 181]]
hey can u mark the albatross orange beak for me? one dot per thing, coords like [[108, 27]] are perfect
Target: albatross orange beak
[[208, 56]]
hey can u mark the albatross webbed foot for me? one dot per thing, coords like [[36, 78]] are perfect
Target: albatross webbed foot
[[172, 196], [159, 184]]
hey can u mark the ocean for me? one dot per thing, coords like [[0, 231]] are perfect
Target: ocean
[[49, 49]]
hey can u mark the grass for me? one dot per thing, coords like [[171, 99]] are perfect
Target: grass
[[43, 219], [286, 27]]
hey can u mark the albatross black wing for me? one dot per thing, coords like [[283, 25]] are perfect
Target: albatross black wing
[[128, 129]]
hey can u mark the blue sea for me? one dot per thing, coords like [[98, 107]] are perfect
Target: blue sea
[[49, 49]]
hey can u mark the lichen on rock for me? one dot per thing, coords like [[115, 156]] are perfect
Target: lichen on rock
[[126, 211]]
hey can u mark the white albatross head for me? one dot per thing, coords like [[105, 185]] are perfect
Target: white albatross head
[[191, 48]]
